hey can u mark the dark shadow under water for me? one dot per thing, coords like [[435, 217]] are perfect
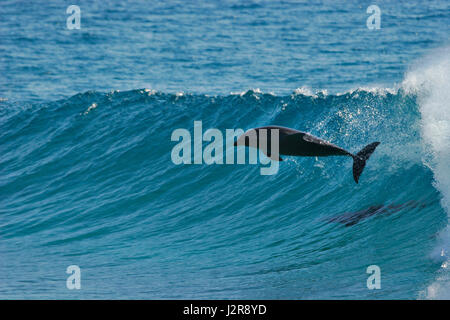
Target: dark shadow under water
[[352, 218]]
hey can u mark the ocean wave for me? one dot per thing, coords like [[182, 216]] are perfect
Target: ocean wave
[[429, 79], [94, 171]]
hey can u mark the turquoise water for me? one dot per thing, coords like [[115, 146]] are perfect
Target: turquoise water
[[86, 176]]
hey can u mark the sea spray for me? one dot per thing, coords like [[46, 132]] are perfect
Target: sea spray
[[431, 82]]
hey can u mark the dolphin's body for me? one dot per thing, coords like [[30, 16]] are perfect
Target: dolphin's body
[[292, 142], [350, 218]]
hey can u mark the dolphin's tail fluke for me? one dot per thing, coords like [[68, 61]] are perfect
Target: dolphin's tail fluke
[[359, 160]]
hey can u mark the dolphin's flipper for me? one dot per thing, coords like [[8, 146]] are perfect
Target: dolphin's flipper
[[359, 160]]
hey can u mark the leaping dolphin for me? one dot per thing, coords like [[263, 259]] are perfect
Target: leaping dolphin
[[296, 143]]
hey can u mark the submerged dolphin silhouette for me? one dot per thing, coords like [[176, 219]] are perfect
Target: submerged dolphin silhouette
[[350, 218], [292, 142]]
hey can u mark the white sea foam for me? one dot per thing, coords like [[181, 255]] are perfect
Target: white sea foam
[[92, 106], [150, 91], [307, 91], [315, 93], [242, 93], [382, 91], [430, 80], [374, 90]]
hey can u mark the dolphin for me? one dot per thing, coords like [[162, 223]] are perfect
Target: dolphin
[[351, 218], [292, 142]]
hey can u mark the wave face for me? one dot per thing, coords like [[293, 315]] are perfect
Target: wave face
[[430, 81], [89, 181]]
